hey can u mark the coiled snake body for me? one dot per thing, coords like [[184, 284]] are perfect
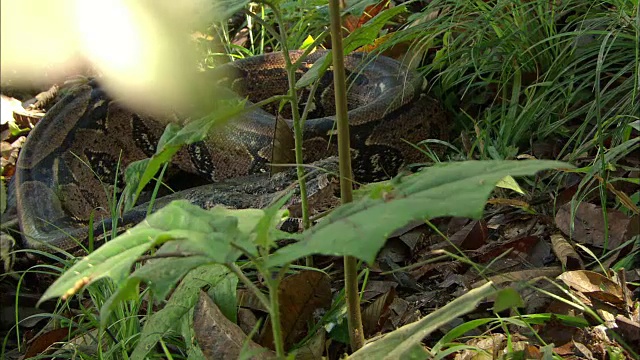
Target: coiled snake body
[[71, 156]]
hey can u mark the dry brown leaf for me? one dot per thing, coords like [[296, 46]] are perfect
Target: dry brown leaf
[[396, 250], [510, 202], [413, 238], [399, 310], [522, 349], [516, 248], [352, 22], [594, 286], [405, 229], [492, 344], [522, 275], [583, 351], [564, 350], [629, 330], [314, 348], [471, 237], [376, 288], [565, 253], [622, 197], [249, 300], [589, 225], [42, 342], [247, 321], [300, 295], [375, 315], [10, 154], [217, 336], [5, 148], [558, 333], [241, 38]]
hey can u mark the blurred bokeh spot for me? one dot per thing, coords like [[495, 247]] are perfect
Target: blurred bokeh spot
[[141, 48]]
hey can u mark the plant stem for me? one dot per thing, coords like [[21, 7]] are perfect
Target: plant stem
[[272, 304], [298, 136], [249, 284], [356, 334], [274, 312], [297, 122], [295, 114]]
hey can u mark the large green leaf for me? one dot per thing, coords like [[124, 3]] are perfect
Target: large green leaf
[[180, 304], [217, 233], [113, 260], [360, 228], [404, 343], [160, 275], [224, 293]]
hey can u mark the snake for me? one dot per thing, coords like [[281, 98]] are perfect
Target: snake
[[73, 160]]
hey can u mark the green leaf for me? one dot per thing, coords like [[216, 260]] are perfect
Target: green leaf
[[162, 274], [272, 215], [457, 332], [216, 233], [317, 70], [224, 294], [508, 182], [506, 299], [15, 129], [130, 290], [189, 335], [181, 302], [405, 342], [308, 41], [113, 260], [374, 190], [360, 228], [364, 35], [133, 175], [548, 352], [455, 349], [139, 173], [368, 33]]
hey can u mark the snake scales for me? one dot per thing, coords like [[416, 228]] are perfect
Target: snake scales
[[71, 156]]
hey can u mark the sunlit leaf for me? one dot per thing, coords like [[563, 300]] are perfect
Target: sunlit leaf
[[508, 182], [360, 228], [218, 234]]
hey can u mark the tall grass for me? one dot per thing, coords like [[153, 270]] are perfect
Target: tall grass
[[523, 71]]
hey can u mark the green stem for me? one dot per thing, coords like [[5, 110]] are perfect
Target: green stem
[[274, 311], [272, 304], [356, 334], [249, 284], [295, 114]]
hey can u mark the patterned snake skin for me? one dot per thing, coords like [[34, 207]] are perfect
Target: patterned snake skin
[[67, 167]]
